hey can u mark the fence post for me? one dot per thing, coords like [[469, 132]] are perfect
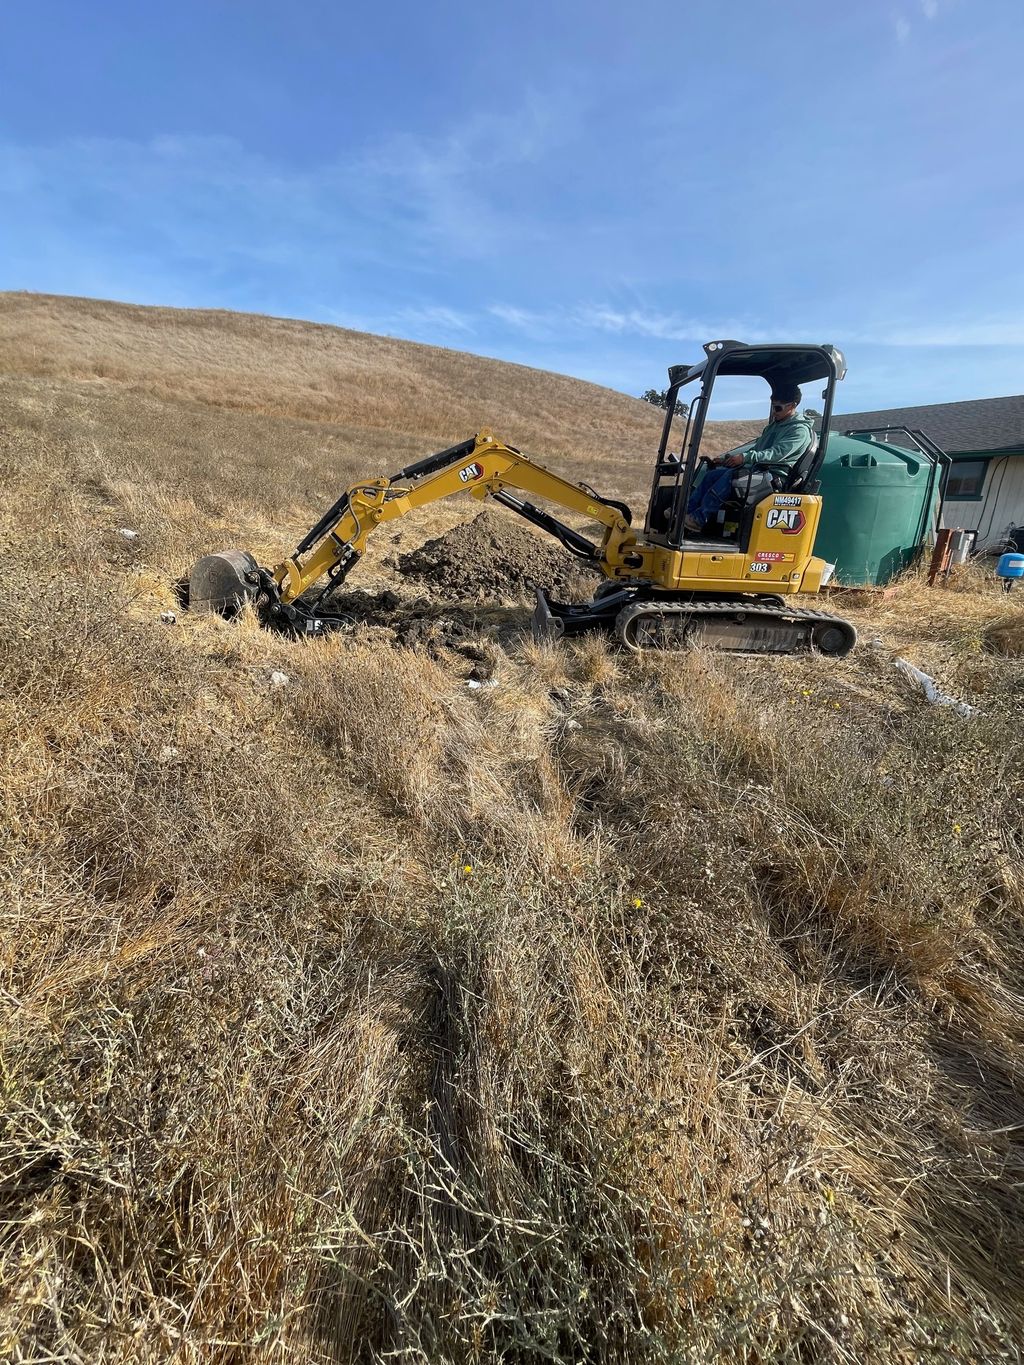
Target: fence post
[[940, 556]]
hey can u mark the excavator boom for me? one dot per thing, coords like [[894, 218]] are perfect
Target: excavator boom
[[482, 466]]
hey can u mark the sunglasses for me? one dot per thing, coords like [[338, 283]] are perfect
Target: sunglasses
[[778, 407]]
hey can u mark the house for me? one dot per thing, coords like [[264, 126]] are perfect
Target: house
[[984, 490]]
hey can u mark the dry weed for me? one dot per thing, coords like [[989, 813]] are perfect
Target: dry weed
[[661, 1010]]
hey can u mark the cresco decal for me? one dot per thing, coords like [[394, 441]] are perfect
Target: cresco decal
[[772, 556], [787, 500], [471, 472], [788, 520]]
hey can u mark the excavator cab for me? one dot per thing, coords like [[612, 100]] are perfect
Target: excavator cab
[[676, 476], [730, 584]]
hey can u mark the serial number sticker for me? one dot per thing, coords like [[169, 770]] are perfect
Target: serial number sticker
[[787, 500], [759, 568]]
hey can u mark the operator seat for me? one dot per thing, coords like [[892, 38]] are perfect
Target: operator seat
[[749, 487], [798, 474]]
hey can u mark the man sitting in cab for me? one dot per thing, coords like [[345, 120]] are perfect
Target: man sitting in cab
[[783, 441]]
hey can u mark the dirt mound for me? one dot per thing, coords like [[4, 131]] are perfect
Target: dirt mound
[[1006, 636], [492, 559]]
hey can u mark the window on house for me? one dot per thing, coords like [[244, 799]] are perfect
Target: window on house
[[966, 479]]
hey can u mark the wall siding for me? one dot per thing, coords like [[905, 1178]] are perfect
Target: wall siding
[[1002, 501]]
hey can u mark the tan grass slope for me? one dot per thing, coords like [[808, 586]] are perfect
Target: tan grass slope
[[619, 1011], [379, 394]]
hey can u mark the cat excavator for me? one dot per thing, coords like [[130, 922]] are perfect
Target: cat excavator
[[665, 586]]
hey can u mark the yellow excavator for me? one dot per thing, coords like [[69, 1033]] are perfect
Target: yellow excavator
[[664, 586]]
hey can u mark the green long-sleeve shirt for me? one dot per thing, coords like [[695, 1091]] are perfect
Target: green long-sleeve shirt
[[779, 443]]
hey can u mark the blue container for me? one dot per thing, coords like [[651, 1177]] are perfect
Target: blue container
[[1011, 566]]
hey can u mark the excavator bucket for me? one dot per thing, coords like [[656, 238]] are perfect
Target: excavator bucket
[[223, 582]]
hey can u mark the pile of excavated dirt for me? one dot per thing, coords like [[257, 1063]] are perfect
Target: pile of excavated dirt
[[491, 559]]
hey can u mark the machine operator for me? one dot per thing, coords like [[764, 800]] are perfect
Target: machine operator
[[783, 441]]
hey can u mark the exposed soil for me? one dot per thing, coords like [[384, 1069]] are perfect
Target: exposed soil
[[429, 625], [491, 559]]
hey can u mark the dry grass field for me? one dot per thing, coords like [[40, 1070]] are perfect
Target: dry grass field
[[616, 1010]]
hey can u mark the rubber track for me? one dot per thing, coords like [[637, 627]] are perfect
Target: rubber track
[[726, 607]]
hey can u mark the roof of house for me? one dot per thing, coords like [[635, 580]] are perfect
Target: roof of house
[[975, 425]]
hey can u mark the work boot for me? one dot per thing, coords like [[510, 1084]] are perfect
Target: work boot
[[691, 524]]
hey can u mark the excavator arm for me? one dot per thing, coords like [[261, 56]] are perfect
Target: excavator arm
[[483, 466]]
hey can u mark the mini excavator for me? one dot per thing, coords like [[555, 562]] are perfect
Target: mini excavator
[[664, 586]]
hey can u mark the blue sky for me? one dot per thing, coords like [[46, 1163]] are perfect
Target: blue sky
[[592, 188]]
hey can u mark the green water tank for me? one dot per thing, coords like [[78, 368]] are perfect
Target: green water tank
[[876, 499]]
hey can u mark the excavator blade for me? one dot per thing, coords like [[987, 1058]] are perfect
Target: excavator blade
[[547, 627], [223, 582]]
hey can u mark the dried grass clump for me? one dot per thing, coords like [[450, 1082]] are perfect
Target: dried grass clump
[[661, 1010], [1006, 636]]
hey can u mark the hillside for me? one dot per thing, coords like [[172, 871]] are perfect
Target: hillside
[[373, 397], [605, 1010]]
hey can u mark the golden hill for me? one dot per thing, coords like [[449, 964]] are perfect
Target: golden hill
[[606, 1010], [380, 396]]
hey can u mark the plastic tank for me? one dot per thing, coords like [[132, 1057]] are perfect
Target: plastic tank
[[875, 515]]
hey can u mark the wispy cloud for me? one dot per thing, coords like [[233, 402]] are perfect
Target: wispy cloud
[[201, 200], [623, 322], [641, 323], [526, 320], [435, 316], [207, 209], [429, 322], [928, 10], [451, 183], [663, 326], [966, 333]]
